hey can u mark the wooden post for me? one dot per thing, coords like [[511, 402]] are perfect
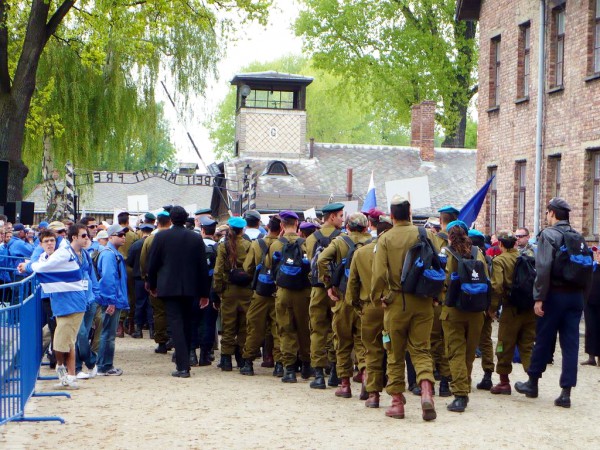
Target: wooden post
[[349, 184]]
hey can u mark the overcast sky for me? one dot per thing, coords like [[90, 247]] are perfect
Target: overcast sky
[[255, 43]]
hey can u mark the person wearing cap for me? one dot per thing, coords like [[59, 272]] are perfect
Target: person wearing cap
[[253, 225], [322, 353], [291, 307], [307, 228], [178, 274], [448, 214], [113, 296], [231, 286], [371, 317], [462, 329], [61, 232], [407, 318], [517, 327], [18, 247], [159, 314], [262, 309], [201, 212], [345, 321], [130, 238], [558, 305], [143, 309], [373, 215]]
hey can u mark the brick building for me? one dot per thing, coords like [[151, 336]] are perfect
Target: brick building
[[509, 32]]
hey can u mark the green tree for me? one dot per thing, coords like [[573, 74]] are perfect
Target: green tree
[[398, 53], [336, 112], [140, 38]]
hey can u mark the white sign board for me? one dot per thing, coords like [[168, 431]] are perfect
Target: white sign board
[[264, 218], [310, 214], [416, 190], [350, 208], [191, 209], [137, 203]]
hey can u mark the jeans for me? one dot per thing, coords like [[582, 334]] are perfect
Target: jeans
[[143, 309], [84, 353], [106, 352]]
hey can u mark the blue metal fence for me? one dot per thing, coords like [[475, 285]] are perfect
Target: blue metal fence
[[21, 349]]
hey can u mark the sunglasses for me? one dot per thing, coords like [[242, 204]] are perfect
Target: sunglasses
[[519, 236], [120, 235], [61, 231], [83, 236], [93, 227]]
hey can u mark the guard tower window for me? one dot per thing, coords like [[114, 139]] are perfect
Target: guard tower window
[[277, 168], [270, 99]]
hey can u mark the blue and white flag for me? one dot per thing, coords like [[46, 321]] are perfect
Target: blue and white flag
[[60, 272], [371, 198]]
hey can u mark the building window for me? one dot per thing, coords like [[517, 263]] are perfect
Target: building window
[[596, 206], [558, 56], [597, 36], [493, 198], [277, 168], [524, 67], [270, 99], [495, 72], [594, 37], [521, 193], [557, 165]]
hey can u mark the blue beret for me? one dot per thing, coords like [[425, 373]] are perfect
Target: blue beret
[[288, 215], [203, 211], [207, 221], [149, 216], [308, 225], [146, 226], [333, 207], [474, 232], [458, 223], [43, 224], [18, 227], [236, 222], [448, 209], [164, 213]]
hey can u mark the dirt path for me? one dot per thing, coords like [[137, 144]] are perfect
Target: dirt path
[[148, 409]]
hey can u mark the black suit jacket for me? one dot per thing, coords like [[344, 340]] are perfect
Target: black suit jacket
[[177, 264]]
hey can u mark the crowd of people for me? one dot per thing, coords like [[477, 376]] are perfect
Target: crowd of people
[[371, 298]]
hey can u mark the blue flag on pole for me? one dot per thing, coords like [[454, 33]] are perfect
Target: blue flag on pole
[[468, 214], [371, 198]]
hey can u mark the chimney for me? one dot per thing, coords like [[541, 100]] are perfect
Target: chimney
[[415, 126], [427, 120], [311, 148]]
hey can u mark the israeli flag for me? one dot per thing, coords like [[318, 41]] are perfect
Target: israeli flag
[[371, 198]]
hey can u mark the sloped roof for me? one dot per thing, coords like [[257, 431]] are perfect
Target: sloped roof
[[468, 9], [271, 75], [104, 197], [313, 181]]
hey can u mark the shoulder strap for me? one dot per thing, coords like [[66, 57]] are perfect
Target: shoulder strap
[[474, 251], [263, 246], [318, 235], [453, 253], [299, 241], [335, 234], [349, 242], [443, 235], [422, 233], [283, 240]]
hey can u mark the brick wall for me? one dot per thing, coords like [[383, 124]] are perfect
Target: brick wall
[[571, 117]]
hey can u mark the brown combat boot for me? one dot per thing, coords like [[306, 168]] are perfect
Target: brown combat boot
[[120, 329], [344, 390], [131, 328], [364, 395], [427, 401], [396, 411], [503, 387], [358, 378], [373, 401]]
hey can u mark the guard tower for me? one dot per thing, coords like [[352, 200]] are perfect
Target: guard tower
[[270, 118]]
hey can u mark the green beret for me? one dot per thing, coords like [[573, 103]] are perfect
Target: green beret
[[149, 216], [333, 207], [448, 209], [203, 211]]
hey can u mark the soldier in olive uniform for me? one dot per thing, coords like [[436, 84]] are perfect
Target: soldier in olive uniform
[[516, 327], [159, 313], [358, 294], [407, 318], [462, 329], [232, 286], [261, 308], [130, 238], [292, 307], [320, 303], [345, 322], [199, 213], [438, 352]]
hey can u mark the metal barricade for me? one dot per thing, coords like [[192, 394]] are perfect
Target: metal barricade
[[21, 350]]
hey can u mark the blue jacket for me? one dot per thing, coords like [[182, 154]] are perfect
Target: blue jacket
[[113, 278], [4, 274], [19, 248]]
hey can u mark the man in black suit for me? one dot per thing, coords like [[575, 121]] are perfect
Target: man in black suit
[[178, 275]]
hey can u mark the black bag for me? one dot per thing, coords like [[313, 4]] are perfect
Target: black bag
[[239, 277], [292, 265], [422, 272], [341, 272], [263, 282], [211, 257], [322, 243], [573, 264], [469, 288], [96, 255], [521, 293]]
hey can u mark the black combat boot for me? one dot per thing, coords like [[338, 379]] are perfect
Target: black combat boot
[[226, 365], [306, 371], [138, 333], [459, 404], [151, 331], [204, 358], [238, 357], [529, 387], [564, 399], [248, 368], [319, 381], [486, 382], [444, 387], [193, 357], [278, 370], [161, 348], [333, 381], [289, 374]]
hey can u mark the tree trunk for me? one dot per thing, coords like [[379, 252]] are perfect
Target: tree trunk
[[457, 140], [12, 130]]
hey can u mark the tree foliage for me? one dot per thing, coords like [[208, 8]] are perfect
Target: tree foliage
[[397, 53], [336, 113], [127, 44]]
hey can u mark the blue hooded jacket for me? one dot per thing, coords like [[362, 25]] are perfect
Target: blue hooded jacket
[[113, 278]]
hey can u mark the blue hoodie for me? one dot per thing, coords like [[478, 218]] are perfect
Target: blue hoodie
[[113, 278]]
